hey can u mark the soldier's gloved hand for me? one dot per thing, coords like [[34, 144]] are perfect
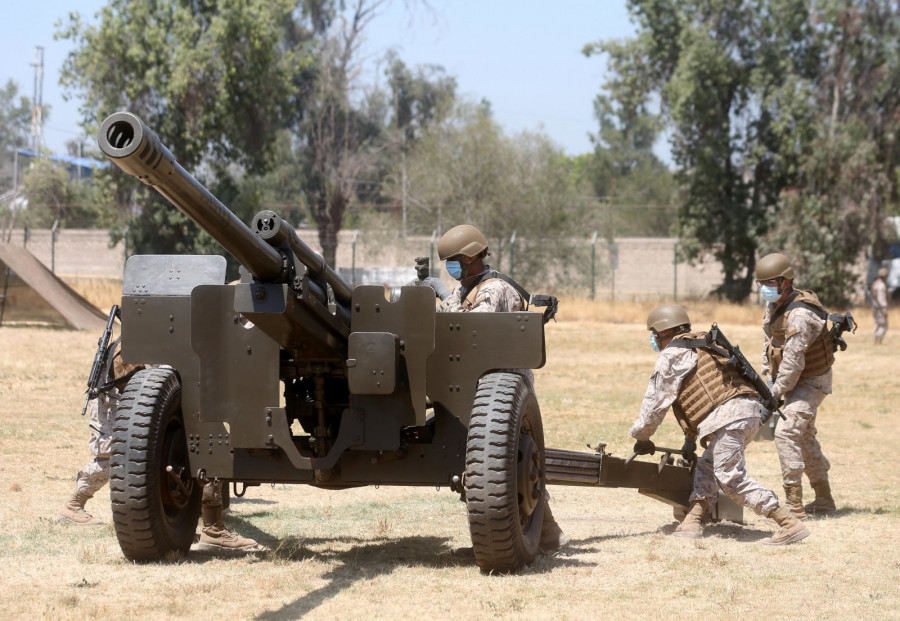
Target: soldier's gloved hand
[[689, 448], [644, 447]]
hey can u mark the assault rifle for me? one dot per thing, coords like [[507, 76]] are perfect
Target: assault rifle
[[840, 323], [100, 361], [716, 341]]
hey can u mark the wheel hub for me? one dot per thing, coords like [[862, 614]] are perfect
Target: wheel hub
[[528, 480]]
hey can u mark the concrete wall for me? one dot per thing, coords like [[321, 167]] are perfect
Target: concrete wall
[[645, 265]]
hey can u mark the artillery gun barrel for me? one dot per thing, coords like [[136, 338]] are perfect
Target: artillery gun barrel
[[274, 229], [138, 151]]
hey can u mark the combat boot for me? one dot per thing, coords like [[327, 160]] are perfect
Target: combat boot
[[823, 503], [74, 510], [215, 537], [691, 526], [552, 536], [790, 529], [793, 495]]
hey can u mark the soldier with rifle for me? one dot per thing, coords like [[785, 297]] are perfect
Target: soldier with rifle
[[107, 379], [798, 356], [714, 400]]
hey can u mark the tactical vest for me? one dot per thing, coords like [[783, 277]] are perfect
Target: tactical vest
[[709, 385], [819, 356]]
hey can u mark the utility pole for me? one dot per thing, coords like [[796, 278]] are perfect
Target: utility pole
[[37, 105]]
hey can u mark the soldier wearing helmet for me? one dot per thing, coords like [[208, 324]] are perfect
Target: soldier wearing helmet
[[482, 290], [879, 299], [798, 359], [713, 402]]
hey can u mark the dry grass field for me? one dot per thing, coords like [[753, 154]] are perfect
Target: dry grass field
[[393, 553]]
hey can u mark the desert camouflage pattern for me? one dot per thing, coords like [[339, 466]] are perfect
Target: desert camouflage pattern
[[725, 434], [95, 473], [212, 494], [795, 438], [879, 308], [491, 296], [672, 367], [803, 328], [722, 464]]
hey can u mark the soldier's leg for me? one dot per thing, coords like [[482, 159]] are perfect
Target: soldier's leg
[[94, 474], [702, 496], [789, 440], [214, 535], [817, 467], [731, 470]]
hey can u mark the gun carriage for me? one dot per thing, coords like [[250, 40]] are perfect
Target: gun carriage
[[293, 376]]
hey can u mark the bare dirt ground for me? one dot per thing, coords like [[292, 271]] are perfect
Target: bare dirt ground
[[392, 553]]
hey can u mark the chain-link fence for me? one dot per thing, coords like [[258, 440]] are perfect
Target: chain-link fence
[[629, 268]]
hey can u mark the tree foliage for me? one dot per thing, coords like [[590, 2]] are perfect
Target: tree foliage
[[465, 170], [216, 80], [783, 119]]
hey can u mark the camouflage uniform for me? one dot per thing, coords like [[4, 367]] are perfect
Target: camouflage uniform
[[95, 473], [879, 308], [725, 434], [491, 296], [795, 438]]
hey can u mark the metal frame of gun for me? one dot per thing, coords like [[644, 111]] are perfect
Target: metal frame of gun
[[93, 383], [737, 359], [666, 455]]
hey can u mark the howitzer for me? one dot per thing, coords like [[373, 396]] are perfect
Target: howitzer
[[266, 382], [719, 343], [101, 361]]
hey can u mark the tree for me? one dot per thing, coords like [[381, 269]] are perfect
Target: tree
[[15, 115], [216, 80], [465, 170], [732, 82], [53, 196]]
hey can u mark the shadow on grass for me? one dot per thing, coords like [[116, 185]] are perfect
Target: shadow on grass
[[355, 559]]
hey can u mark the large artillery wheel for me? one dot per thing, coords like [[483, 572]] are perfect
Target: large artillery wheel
[[504, 478], [155, 512]]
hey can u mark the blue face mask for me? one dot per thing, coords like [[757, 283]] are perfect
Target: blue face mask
[[769, 294], [454, 269], [653, 342]]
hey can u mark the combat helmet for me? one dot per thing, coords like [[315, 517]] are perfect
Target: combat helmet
[[774, 265], [464, 239], [666, 317], [883, 272]]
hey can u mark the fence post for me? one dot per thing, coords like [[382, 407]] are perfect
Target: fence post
[[353, 258], [512, 254], [614, 265], [675, 272], [53, 245], [432, 271], [593, 265]]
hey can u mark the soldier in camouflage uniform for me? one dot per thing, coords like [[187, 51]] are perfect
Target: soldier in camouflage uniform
[[482, 290], [878, 292], [716, 404], [95, 473], [798, 357]]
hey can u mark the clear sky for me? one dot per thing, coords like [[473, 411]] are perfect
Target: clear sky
[[524, 56]]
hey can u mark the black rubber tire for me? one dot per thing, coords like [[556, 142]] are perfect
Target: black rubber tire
[[152, 515], [505, 476]]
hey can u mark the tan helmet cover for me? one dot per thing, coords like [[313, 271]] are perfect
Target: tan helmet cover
[[883, 272], [774, 265], [666, 317], [463, 239]]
